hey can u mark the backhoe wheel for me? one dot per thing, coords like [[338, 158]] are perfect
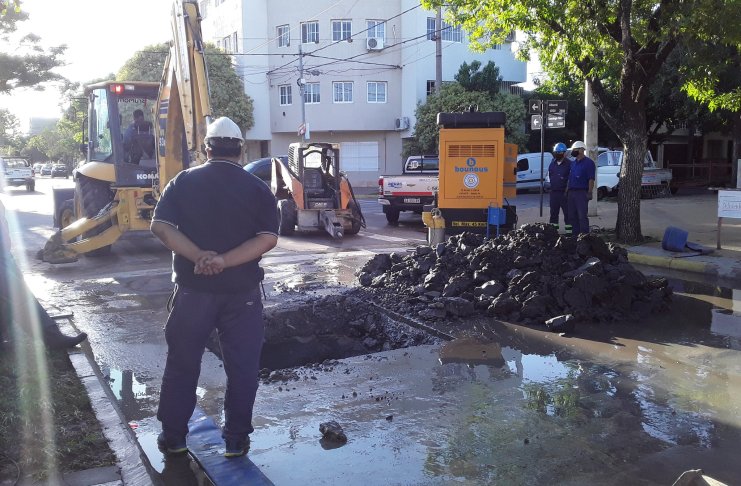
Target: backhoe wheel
[[93, 195], [66, 214], [356, 219], [286, 217], [392, 216]]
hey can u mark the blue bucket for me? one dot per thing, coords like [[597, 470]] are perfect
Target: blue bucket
[[675, 239]]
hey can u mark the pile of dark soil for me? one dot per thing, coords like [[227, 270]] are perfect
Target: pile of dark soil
[[529, 275]]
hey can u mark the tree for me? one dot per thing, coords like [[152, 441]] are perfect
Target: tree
[[227, 91], [454, 98], [10, 133], [472, 79], [618, 46], [29, 65]]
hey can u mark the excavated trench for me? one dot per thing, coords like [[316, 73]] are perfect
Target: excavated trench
[[321, 329]]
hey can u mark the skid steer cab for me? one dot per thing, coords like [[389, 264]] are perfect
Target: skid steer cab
[[313, 194]]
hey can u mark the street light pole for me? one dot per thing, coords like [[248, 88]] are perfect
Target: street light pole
[[301, 87], [438, 50]]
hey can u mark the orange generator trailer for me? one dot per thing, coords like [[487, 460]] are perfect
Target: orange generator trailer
[[477, 175]]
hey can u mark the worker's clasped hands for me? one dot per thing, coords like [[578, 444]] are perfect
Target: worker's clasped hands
[[209, 263]]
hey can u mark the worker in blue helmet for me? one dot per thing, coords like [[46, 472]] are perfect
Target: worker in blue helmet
[[558, 173]]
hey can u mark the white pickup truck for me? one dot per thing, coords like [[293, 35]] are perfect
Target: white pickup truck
[[18, 172], [654, 180], [410, 191]]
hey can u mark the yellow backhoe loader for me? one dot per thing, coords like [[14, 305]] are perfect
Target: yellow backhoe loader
[[139, 136]]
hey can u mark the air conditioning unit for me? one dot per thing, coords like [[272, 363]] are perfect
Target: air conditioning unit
[[374, 43], [401, 123]]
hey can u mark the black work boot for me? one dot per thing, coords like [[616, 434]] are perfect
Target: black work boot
[[54, 339]]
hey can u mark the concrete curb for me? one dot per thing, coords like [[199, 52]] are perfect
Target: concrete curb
[[131, 460], [725, 268], [682, 264]]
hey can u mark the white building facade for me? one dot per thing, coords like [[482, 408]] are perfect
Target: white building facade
[[366, 66]]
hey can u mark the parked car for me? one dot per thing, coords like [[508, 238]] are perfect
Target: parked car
[[59, 170], [654, 180], [17, 172], [262, 168], [37, 167], [46, 169]]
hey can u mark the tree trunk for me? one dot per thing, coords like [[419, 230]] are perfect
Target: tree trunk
[[736, 148], [635, 139]]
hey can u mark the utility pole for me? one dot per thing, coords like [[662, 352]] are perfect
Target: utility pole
[[303, 129], [438, 50], [591, 119]]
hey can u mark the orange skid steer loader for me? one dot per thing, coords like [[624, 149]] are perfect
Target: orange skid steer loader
[[313, 194]]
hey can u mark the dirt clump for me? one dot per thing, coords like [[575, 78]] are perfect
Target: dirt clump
[[530, 275]]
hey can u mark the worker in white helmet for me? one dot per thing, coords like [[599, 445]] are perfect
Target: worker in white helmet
[[218, 220], [581, 184]]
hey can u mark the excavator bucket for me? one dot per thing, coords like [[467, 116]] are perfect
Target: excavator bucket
[[55, 251]]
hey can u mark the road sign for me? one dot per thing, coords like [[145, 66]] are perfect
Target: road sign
[[557, 106], [536, 122], [556, 121], [534, 106]]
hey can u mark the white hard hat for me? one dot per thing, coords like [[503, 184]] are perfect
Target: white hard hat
[[224, 128], [578, 145]]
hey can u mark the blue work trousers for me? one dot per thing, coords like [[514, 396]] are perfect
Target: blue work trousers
[[578, 202], [241, 330], [558, 204]]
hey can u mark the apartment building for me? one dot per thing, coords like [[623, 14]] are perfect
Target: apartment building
[[362, 67]]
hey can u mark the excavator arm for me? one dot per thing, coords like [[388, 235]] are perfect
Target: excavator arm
[[182, 113]]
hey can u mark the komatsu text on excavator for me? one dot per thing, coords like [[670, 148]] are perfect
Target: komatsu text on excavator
[[139, 136]]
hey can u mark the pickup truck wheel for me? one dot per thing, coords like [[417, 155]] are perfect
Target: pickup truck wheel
[[392, 216], [356, 219], [286, 217], [94, 195], [601, 193], [31, 186]]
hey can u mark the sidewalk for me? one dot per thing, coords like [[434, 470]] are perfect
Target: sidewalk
[[694, 212]]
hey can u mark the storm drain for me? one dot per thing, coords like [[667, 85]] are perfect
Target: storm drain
[[333, 327]]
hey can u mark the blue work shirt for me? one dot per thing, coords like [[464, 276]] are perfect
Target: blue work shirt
[[582, 171], [559, 174], [218, 206]]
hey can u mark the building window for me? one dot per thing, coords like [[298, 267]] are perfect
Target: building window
[[376, 29], [342, 91], [219, 2], [311, 93], [227, 43], [309, 32], [218, 43], [430, 87], [285, 94], [284, 35], [235, 43], [203, 8], [450, 33], [377, 91], [341, 30]]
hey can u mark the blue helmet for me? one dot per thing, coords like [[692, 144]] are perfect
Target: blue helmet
[[559, 148]]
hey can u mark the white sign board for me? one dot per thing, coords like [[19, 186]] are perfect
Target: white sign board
[[729, 204]]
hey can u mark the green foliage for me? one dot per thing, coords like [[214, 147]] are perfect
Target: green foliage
[[10, 134], [454, 98], [24, 67], [487, 79], [227, 91]]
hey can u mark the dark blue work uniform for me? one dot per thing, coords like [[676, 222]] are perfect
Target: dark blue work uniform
[[582, 171], [559, 177], [218, 206]]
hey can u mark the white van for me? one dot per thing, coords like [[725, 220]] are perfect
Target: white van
[[528, 171]]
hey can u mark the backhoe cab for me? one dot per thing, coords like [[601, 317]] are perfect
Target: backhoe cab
[[139, 136], [312, 193]]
